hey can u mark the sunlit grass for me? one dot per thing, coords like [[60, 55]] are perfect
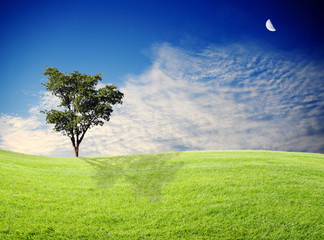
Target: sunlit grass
[[190, 195]]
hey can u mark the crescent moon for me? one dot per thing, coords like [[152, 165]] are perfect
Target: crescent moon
[[269, 26]]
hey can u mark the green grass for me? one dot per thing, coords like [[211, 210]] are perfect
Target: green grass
[[189, 195]]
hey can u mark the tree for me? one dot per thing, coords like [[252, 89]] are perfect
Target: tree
[[82, 105]]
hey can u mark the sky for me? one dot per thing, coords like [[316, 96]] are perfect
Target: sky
[[197, 75]]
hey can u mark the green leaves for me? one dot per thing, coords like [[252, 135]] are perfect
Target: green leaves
[[84, 106], [64, 120]]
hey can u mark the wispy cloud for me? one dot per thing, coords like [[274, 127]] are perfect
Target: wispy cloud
[[228, 97]]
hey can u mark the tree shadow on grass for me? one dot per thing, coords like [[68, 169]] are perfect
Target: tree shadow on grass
[[147, 173]]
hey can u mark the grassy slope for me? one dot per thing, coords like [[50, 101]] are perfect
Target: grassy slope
[[192, 195]]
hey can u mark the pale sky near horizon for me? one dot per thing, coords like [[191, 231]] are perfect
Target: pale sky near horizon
[[204, 75]]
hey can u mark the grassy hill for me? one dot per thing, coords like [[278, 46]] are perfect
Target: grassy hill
[[188, 195]]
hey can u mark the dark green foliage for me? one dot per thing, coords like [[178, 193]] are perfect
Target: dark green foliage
[[82, 104]]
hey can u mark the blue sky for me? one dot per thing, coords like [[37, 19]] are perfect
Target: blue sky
[[197, 75]]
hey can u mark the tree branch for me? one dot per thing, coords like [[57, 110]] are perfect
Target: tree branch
[[72, 138], [85, 129]]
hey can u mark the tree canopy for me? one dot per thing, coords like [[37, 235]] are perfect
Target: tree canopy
[[83, 105]]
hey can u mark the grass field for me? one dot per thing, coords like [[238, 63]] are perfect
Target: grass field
[[188, 195]]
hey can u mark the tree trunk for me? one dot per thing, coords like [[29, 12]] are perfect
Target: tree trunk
[[76, 151]]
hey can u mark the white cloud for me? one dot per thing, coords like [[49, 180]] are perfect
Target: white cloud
[[229, 97], [29, 135]]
